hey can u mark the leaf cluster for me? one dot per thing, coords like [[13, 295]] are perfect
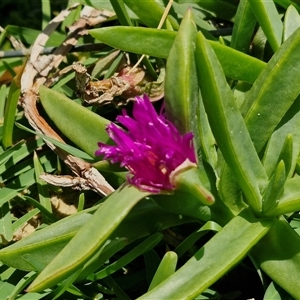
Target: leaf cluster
[[230, 74]]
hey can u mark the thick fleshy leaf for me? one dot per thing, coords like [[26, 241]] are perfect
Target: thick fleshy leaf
[[187, 181], [289, 202], [157, 43], [284, 142], [83, 127], [220, 213], [207, 140], [182, 102], [228, 246], [291, 22], [189, 242], [110, 248], [230, 191], [267, 102], [275, 292], [150, 12], [165, 269], [82, 247], [44, 245], [278, 255], [269, 20], [274, 188], [286, 155], [179, 207], [222, 9], [243, 28], [228, 125]]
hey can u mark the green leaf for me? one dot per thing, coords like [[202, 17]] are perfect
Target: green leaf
[[10, 110], [3, 93], [188, 183], [207, 140], [152, 261], [286, 3], [13, 188], [220, 213], [100, 5], [18, 153], [188, 242], [43, 245], [66, 147], [24, 219], [269, 20], [267, 102], [230, 191], [286, 154], [165, 269], [289, 201], [157, 43], [103, 255], [237, 65], [243, 28], [193, 207], [83, 127], [43, 209], [82, 247], [182, 102], [221, 9], [278, 255], [42, 186], [29, 35], [6, 229], [48, 160], [6, 155], [121, 12], [140, 249], [64, 285], [228, 125], [199, 15], [275, 188], [6, 289], [21, 285], [229, 246], [275, 292], [46, 13], [140, 40], [150, 12], [120, 294], [291, 22], [81, 202], [284, 142]]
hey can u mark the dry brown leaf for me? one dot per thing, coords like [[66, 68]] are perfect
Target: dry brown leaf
[[36, 71]]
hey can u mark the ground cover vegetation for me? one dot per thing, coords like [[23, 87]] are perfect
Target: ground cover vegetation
[[150, 149]]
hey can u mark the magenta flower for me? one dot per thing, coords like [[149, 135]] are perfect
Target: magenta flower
[[151, 149]]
